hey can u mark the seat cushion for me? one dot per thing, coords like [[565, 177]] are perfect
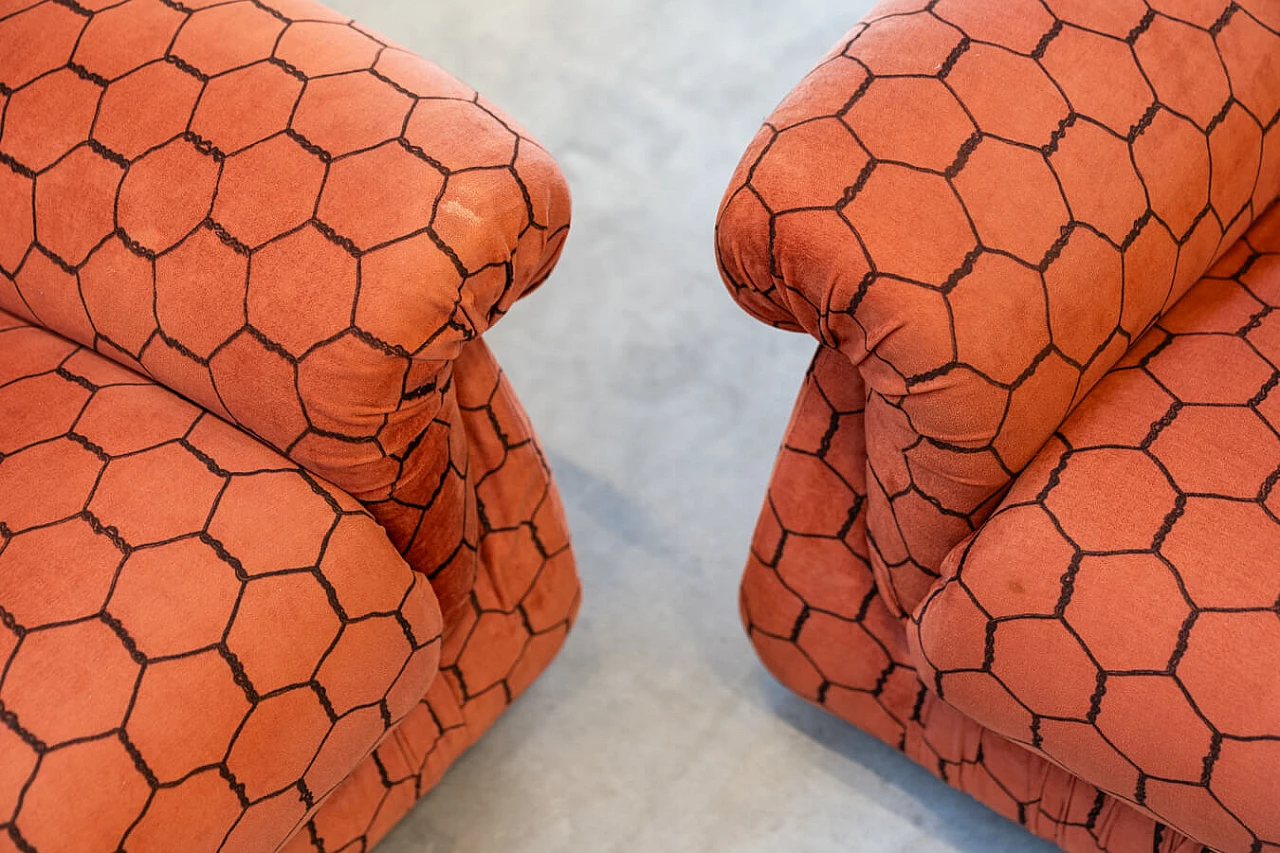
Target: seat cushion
[[819, 623], [1120, 611], [199, 640]]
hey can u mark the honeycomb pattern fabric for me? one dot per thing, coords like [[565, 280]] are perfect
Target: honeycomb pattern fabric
[[919, 204], [514, 622], [178, 672], [282, 217], [1156, 597], [240, 670], [1005, 640], [303, 230], [815, 614], [983, 205]]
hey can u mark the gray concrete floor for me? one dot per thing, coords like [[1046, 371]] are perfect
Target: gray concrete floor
[[661, 406]]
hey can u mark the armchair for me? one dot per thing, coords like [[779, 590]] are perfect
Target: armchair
[[1023, 523], [277, 541]]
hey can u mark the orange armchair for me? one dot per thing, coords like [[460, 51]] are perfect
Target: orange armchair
[[277, 541], [1023, 526]]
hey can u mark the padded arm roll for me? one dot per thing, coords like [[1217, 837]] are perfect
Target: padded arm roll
[[930, 140], [246, 190], [982, 205]]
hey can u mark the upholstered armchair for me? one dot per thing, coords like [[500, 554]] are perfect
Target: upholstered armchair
[[1025, 525], [277, 541]]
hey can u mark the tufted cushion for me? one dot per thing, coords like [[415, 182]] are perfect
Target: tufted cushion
[[199, 640], [280, 216], [983, 205], [1118, 611]]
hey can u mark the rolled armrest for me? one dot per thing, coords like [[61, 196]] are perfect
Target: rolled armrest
[[928, 142], [306, 199]]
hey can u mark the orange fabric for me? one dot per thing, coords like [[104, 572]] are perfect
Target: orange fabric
[[286, 220], [1155, 597], [516, 618], [179, 669], [819, 623], [816, 616], [980, 208], [240, 668], [303, 231], [953, 168]]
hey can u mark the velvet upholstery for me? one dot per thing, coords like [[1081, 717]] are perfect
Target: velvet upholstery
[[993, 216], [277, 541]]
